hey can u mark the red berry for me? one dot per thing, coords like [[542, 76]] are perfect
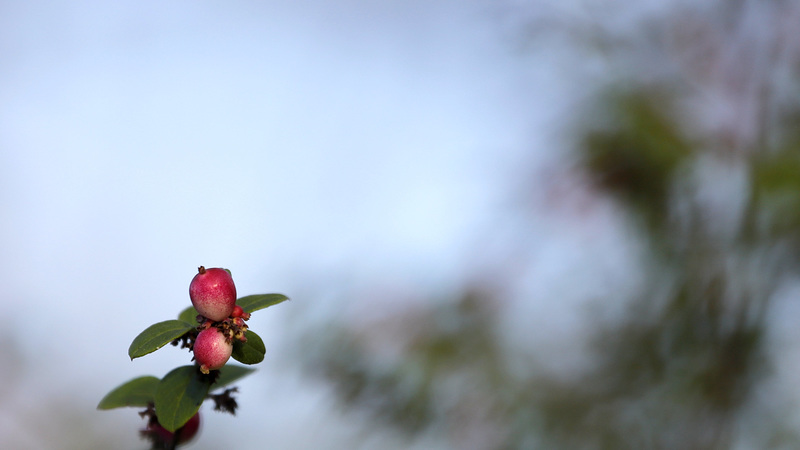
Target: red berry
[[213, 293], [211, 349], [237, 311], [184, 434]]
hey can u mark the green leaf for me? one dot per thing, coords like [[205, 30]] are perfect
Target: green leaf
[[189, 315], [231, 373], [157, 336], [252, 303], [179, 395], [250, 352], [136, 392]]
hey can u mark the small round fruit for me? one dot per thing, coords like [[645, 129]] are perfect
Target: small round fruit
[[237, 311], [213, 293], [211, 349], [183, 434]]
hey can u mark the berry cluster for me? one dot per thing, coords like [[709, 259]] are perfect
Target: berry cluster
[[213, 295], [214, 329]]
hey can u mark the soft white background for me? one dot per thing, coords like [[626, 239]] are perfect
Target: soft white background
[[283, 140], [291, 142]]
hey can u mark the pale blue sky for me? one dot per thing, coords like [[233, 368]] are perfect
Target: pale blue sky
[[300, 144], [139, 140]]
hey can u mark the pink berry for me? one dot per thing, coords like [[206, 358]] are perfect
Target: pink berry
[[213, 293], [211, 349], [184, 433]]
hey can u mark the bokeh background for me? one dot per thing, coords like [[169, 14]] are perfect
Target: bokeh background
[[502, 224]]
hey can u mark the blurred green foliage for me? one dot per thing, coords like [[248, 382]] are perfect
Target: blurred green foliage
[[774, 213], [679, 370], [637, 156]]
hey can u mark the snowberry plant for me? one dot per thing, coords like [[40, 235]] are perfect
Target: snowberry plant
[[214, 329]]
